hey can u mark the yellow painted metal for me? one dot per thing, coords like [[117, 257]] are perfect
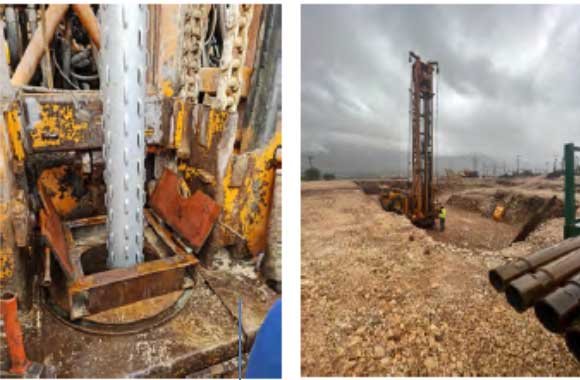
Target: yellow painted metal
[[58, 122], [179, 121], [6, 228], [498, 213], [216, 124], [61, 193], [7, 52], [190, 172], [167, 88], [6, 251], [6, 264], [14, 132], [248, 206]]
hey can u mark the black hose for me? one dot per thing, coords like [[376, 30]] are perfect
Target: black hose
[[62, 74], [84, 77]]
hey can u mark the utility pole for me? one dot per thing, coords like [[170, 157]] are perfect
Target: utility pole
[[474, 162], [518, 164], [310, 158]]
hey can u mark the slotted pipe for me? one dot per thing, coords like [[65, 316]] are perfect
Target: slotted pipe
[[122, 73]]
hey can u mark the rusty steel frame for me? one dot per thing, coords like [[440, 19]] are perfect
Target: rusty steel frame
[[117, 287], [90, 294], [56, 235]]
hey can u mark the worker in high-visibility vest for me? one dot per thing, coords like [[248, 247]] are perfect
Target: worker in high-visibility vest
[[442, 216]]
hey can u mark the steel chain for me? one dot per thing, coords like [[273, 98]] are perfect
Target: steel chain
[[238, 20], [194, 28]]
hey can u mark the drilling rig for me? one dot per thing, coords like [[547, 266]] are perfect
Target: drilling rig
[[416, 200], [140, 153]]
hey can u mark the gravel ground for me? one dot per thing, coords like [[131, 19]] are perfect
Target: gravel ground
[[382, 298]]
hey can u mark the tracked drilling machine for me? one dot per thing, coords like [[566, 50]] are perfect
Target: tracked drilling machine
[[140, 148], [417, 200]]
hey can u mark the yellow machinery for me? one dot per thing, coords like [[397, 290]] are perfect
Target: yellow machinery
[[139, 145], [395, 201]]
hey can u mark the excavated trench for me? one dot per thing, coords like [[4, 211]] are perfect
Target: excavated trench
[[470, 223]]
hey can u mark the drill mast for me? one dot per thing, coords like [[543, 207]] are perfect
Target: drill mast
[[422, 95]]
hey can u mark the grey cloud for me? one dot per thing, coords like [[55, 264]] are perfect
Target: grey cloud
[[509, 78]]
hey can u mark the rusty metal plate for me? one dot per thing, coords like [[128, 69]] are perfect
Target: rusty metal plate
[[54, 232], [63, 121], [117, 287], [192, 218]]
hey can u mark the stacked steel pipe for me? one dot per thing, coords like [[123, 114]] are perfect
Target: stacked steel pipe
[[548, 280]]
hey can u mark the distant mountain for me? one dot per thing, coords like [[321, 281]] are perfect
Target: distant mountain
[[349, 161]]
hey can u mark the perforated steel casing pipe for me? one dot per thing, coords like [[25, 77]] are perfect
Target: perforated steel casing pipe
[[122, 73]]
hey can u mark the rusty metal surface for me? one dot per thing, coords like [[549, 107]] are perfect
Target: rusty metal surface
[[73, 193], [164, 234], [192, 217], [54, 232], [89, 21], [201, 335], [211, 143], [117, 287], [72, 120], [36, 48], [63, 120], [257, 298], [137, 311], [21, 222], [210, 77], [89, 221], [87, 254], [254, 35]]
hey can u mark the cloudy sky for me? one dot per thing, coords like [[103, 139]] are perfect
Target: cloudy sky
[[509, 83]]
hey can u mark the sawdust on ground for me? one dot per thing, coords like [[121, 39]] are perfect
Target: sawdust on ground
[[380, 298]]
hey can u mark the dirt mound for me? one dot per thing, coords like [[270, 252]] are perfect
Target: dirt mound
[[372, 187], [369, 187], [506, 182], [518, 206]]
